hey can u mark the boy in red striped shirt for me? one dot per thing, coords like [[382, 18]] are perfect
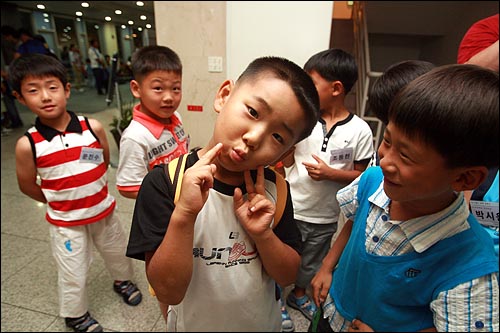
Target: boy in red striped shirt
[[70, 154]]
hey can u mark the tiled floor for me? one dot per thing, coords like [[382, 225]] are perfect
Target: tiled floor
[[29, 301]]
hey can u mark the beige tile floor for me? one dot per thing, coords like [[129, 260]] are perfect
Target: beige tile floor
[[29, 300]]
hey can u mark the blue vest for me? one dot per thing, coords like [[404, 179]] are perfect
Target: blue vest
[[393, 293]]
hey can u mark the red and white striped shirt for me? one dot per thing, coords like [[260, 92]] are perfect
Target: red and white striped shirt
[[73, 173]]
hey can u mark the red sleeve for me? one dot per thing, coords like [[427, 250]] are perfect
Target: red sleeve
[[479, 36]]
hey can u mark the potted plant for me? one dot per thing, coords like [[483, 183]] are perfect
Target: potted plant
[[119, 124]]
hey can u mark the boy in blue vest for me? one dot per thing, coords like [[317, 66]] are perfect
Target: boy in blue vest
[[411, 256]]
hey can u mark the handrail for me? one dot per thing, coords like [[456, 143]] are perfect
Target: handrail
[[365, 74]]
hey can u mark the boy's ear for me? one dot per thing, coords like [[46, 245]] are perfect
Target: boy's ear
[[135, 89], [470, 178], [19, 97], [337, 88], [67, 90], [223, 94]]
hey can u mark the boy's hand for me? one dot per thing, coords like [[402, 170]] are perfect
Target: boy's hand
[[197, 181], [320, 285], [358, 326], [256, 213], [317, 171]]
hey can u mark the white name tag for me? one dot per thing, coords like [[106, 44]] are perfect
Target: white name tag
[[341, 155], [92, 155], [485, 212]]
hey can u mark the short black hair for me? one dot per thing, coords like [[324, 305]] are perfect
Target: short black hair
[[454, 109], [37, 65], [391, 82], [155, 58], [291, 73], [334, 65]]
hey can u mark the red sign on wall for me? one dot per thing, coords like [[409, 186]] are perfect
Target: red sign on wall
[[198, 108]]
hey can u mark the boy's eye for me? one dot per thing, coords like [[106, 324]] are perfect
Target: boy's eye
[[253, 113], [278, 138]]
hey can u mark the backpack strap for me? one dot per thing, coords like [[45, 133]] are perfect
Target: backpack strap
[[176, 173], [281, 197], [176, 167]]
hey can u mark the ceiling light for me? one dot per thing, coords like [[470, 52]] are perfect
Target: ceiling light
[[139, 3], [78, 19], [43, 7], [96, 27], [140, 28], [45, 15], [79, 14], [85, 4], [148, 26], [107, 18], [118, 12], [131, 22], [124, 26], [143, 17]]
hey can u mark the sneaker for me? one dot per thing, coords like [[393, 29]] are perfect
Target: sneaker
[[303, 304], [286, 321], [84, 323]]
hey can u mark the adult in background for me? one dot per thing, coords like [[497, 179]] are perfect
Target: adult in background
[[479, 46], [97, 63]]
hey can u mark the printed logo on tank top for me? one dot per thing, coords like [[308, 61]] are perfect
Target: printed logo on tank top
[[240, 253]]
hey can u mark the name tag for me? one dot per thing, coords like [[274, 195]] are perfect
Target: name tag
[[341, 155], [92, 155], [485, 212]]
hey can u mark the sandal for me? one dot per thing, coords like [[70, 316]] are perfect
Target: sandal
[[84, 323], [129, 291]]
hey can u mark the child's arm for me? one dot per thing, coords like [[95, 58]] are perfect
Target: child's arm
[[26, 170], [323, 279], [170, 268], [101, 134], [280, 261], [322, 171]]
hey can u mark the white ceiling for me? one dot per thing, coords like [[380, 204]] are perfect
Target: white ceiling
[[96, 11]]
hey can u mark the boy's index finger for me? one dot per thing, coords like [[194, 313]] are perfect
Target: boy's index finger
[[249, 182], [210, 155]]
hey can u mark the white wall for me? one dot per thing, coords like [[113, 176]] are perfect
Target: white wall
[[293, 29], [239, 32]]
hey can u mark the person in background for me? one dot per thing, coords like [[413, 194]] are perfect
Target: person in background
[[70, 156], [337, 151], [78, 69], [97, 64], [214, 255], [29, 44], [479, 46], [411, 257]]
